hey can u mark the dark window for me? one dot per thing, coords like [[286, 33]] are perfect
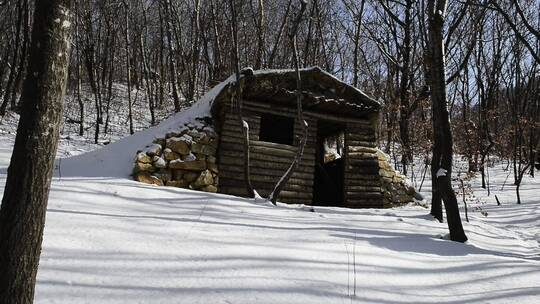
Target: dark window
[[277, 129]]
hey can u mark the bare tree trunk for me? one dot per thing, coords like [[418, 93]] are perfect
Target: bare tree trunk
[[280, 33], [128, 68], [22, 213], [357, 33], [22, 63], [260, 35], [10, 87], [172, 57], [442, 150], [404, 96], [79, 72]]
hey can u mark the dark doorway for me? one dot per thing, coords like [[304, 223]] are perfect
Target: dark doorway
[[329, 164]]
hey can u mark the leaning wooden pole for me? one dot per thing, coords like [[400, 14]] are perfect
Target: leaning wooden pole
[[302, 143]]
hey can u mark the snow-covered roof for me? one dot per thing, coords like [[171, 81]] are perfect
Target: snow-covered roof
[[321, 91]]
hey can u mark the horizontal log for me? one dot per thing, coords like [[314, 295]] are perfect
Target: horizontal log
[[355, 182], [271, 145], [361, 137], [263, 178], [362, 155], [228, 148], [362, 181], [363, 195], [363, 188], [233, 118], [228, 129], [237, 144], [363, 162], [238, 139], [263, 171], [362, 170], [353, 148], [254, 163], [360, 143], [238, 135], [269, 158]]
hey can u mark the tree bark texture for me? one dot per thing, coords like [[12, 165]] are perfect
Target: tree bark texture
[[442, 150], [22, 214]]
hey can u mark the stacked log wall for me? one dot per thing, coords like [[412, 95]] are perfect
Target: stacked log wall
[[362, 180], [269, 161]]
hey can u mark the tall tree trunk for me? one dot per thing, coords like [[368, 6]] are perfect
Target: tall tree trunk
[[404, 109], [79, 72], [128, 68], [22, 63], [442, 150], [13, 67], [356, 68], [172, 57], [22, 214]]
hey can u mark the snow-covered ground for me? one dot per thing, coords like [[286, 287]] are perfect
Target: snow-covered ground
[[112, 240]]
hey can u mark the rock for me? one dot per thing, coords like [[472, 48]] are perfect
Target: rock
[[197, 165], [385, 173], [177, 183], [142, 167], [169, 154], [203, 149], [165, 175], [142, 157], [205, 139], [196, 135], [180, 144], [404, 198], [159, 162], [191, 176], [210, 188], [154, 150], [204, 179], [196, 147], [175, 134], [189, 157], [145, 177], [418, 196]]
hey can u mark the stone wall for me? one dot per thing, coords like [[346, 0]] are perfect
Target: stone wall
[[184, 159], [394, 186]]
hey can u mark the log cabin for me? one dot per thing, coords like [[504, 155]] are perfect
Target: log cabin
[[340, 165]]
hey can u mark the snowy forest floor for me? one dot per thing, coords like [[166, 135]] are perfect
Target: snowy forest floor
[[111, 240]]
